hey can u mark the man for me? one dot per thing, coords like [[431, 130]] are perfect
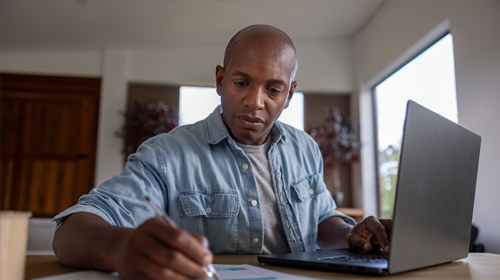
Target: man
[[248, 184]]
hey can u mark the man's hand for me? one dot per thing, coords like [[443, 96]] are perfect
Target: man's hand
[[370, 234], [156, 250]]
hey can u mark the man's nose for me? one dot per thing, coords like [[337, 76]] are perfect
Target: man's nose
[[255, 98]]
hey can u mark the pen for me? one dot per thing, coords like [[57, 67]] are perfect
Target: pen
[[209, 269]]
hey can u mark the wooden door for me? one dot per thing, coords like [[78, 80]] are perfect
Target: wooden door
[[48, 141]]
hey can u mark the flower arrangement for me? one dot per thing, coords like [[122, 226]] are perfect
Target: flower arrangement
[[146, 121], [338, 141]]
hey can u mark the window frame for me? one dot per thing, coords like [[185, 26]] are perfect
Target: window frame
[[375, 113]]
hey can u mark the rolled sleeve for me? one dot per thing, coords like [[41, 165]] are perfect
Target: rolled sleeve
[[59, 218], [329, 210], [335, 213], [120, 200], [329, 207]]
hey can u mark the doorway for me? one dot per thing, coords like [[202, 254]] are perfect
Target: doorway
[[48, 141]]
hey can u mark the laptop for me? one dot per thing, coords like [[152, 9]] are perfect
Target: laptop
[[433, 206]]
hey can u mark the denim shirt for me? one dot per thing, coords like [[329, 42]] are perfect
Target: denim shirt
[[205, 182]]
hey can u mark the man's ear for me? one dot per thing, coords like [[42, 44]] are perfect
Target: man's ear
[[219, 78], [290, 93]]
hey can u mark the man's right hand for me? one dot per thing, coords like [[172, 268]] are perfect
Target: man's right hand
[[156, 250], [371, 234]]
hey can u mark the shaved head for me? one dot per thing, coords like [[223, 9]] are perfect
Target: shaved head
[[255, 31], [256, 82]]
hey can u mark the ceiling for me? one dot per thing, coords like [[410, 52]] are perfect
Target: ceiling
[[93, 25]]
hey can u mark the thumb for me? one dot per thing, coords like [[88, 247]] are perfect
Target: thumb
[[357, 242], [204, 242]]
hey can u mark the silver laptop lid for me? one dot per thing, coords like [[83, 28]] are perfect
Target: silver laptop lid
[[435, 191]]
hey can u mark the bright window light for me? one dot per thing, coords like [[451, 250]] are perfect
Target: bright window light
[[429, 79], [294, 114], [196, 103]]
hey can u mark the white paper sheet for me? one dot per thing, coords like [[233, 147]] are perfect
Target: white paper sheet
[[250, 272], [226, 271], [87, 275]]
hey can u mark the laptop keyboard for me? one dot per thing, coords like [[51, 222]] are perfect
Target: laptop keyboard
[[361, 258]]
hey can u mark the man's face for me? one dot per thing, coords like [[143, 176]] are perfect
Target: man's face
[[255, 87]]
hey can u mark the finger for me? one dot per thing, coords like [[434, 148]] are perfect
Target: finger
[[387, 223], [379, 230], [167, 257], [202, 239], [204, 242], [357, 242], [153, 271], [181, 240]]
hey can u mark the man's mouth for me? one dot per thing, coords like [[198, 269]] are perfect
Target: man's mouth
[[250, 122]]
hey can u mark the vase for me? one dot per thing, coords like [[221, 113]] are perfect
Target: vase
[[338, 196]]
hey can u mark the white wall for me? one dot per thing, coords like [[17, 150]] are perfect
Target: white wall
[[113, 100], [475, 27], [178, 66], [324, 65], [83, 64]]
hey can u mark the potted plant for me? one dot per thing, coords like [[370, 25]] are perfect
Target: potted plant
[[145, 121], [338, 140]]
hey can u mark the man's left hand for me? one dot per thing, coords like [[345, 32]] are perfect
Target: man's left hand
[[370, 234]]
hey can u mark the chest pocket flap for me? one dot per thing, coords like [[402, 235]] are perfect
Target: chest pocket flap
[[211, 204], [309, 187]]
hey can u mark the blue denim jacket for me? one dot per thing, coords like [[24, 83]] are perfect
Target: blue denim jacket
[[206, 184]]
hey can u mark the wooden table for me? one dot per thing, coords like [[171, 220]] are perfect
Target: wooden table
[[476, 266], [356, 213]]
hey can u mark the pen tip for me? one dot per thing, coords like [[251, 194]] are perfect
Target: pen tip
[[147, 198]]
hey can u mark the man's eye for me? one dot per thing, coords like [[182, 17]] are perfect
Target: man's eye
[[240, 84], [274, 90]]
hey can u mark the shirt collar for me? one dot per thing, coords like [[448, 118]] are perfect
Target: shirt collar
[[216, 129]]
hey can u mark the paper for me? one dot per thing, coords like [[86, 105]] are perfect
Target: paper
[[250, 272], [226, 271], [87, 275]]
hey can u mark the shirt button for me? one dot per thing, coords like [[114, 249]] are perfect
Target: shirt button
[[245, 166], [254, 202], [229, 141], [311, 191], [255, 240], [209, 210]]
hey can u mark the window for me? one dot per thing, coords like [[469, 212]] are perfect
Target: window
[[428, 79], [196, 103]]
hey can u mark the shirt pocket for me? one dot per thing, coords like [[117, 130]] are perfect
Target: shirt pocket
[[308, 187], [307, 207], [213, 214], [216, 204]]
